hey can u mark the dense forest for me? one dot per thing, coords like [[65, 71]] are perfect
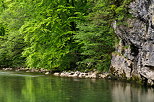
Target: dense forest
[[59, 34]]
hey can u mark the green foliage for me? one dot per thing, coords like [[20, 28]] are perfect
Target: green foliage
[[96, 45], [12, 42], [59, 34], [122, 10], [50, 38], [96, 37]]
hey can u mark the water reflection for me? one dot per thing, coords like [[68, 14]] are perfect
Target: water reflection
[[124, 92], [27, 88]]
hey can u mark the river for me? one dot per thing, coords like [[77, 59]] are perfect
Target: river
[[31, 87]]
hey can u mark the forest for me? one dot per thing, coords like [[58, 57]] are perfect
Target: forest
[[59, 34]]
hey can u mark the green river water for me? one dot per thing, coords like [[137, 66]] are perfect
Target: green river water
[[30, 87]]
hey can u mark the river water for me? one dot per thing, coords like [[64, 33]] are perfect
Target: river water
[[30, 87]]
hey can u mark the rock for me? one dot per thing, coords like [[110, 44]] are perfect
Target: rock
[[150, 82], [74, 75], [7, 69], [71, 73], [47, 73], [153, 19], [134, 54], [62, 74], [56, 74], [105, 75], [17, 70], [82, 75], [93, 75]]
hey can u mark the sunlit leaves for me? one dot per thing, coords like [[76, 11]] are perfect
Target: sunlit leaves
[[58, 34], [49, 38]]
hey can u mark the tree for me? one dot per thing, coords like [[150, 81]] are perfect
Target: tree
[[11, 19], [58, 34], [96, 37], [49, 36]]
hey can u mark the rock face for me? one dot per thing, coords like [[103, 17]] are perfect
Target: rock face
[[134, 55]]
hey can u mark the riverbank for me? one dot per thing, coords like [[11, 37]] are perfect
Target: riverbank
[[78, 74], [74, 74]]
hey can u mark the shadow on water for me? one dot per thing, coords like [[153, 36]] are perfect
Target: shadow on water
[[23, 87]]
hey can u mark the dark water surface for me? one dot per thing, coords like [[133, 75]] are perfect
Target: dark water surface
[[24, 87]]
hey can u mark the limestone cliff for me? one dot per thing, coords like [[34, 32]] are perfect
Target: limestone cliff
[[134, 55]]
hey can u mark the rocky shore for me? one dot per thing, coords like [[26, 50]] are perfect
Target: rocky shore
[[78, 74], [74, 74], [41, 70]]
